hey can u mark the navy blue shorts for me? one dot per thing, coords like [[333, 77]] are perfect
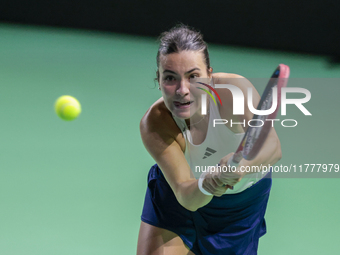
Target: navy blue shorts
[[230, 224]]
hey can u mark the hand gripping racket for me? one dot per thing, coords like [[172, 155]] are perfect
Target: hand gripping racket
[[255, 136]]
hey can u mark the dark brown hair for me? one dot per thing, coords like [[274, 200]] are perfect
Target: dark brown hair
[[181, 38]]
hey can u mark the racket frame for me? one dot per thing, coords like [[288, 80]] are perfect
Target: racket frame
[[279, 79]]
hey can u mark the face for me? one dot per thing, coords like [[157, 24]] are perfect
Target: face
[[175, 72]]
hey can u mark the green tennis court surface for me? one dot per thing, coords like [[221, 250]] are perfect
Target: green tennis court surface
[[78, 187]]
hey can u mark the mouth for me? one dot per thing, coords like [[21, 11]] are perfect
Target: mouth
[[184, 104]]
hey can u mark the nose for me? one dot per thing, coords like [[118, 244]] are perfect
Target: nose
[[183, 88]]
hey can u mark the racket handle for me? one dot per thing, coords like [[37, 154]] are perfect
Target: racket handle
[[235, 159], [232, 163]]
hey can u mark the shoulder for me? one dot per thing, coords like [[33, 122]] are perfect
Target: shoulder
[[157, 126], [157, 117], [236, 80], [225, 75], [227, 97], [233, 79]]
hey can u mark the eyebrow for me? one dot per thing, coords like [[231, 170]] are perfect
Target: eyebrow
[[194, 69]]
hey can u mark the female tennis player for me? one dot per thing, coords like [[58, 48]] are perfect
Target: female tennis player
[[225, 213]]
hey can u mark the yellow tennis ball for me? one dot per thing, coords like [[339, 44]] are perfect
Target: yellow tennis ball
[[67, 107]]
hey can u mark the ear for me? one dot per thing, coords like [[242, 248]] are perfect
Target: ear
[[210, 70], [157, 75]]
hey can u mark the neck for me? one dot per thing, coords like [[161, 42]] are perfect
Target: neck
[[198, 121]]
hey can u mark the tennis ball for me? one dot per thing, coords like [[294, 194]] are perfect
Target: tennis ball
[[67, 107]]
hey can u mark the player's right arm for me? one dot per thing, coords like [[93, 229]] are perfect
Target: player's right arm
[[165, 143]]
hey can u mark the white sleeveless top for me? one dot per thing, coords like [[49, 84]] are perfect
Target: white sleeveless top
[[219, 142]]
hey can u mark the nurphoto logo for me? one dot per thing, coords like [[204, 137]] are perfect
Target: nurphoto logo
[[239, 102]]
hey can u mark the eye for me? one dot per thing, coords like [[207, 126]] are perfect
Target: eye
[[193, 76], [169, 78]]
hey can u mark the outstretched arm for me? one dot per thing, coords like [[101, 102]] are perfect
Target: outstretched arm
[[164, 142]]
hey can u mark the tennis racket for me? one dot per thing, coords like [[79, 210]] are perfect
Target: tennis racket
[[255, 136]]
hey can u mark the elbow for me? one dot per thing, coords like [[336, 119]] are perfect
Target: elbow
[[186, 204], [186, 201], [274, 154], [189, 196], [278, 153], [191, 208]]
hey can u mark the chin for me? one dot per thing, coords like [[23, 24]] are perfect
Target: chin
[[187, 114], [182, 115]]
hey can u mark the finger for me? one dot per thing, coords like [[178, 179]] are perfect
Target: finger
[[229, 187], [217, 181], [219, 192], [225, 159], [208, 186], [214, 189], [222, 190], [231, 182], [216, 194]]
